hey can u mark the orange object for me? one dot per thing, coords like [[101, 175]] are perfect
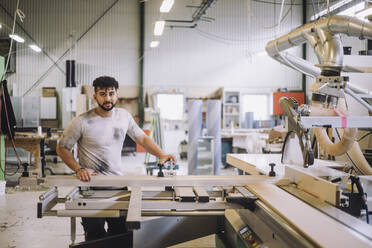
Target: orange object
[[277, 109], [140, 148]]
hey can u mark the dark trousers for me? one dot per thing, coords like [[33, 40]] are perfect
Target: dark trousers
[[94, 228]]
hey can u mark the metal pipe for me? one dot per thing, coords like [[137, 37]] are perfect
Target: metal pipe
[[323, 35], [72, 193], [48, 193], [358, 99]]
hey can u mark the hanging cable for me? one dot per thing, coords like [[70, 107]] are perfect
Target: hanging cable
[[21, 15], [277, 49]]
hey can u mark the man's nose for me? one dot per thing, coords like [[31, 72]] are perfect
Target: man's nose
[[107, 97]]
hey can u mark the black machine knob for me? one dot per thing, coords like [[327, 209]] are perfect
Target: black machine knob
[[161, 173], [272, 172]]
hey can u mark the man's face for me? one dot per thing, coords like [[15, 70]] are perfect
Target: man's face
[[106, 98]]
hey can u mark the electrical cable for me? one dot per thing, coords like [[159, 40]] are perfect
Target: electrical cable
[[364, 136], [277, 49], [21, 15], [347, 154], [293, 4], [312, 1]]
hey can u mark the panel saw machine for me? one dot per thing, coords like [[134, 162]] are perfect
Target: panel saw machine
[[303, 207]]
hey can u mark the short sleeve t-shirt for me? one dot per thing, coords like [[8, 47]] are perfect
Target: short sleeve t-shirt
[[100, 139]]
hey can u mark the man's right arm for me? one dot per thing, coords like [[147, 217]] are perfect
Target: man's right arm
[[68, 158]]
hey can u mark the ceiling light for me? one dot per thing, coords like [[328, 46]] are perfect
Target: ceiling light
[[364, 13], [154, 44], [159, 28], [16, 38], [352, 10], [1, 25], [35, 48], [331, 8], [166, 6]]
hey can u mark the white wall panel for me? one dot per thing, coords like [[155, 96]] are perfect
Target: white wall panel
[[222, 52]]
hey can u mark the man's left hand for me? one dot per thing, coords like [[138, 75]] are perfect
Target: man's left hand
[[167, 157]]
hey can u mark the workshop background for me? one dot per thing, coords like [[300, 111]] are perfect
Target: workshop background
[[207, 51]]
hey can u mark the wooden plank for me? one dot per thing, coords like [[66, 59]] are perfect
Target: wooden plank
[[311, 223], [314, 185], [133, 220], [153, 181], [185, 194], [358, 225], [256, 164], [202, 194]]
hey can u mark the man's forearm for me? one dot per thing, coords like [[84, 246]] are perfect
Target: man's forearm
[[68, 158], [151, 146]]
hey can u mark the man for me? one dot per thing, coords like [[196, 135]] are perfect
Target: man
[[99, 134]]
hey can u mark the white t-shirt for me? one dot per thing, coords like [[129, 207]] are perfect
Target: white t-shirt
[[100, 139]]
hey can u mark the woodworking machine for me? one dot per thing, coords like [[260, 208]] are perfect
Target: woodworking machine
[[240, 210]]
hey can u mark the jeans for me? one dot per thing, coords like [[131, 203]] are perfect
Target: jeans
[[94, 228]]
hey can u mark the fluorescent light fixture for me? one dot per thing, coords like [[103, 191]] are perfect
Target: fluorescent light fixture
[[331, 8], [35, 48], [1, 25], [154, 44], [17, 38], [352, 10], [159, 28], [166, 6], [364, 13], [261, 54]]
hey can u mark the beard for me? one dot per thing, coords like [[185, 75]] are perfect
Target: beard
[[107, 109]]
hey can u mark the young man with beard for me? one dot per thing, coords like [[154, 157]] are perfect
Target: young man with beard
[[99, 134]]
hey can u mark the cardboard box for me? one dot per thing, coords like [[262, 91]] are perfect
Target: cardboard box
[[49, 92], [49, 123]]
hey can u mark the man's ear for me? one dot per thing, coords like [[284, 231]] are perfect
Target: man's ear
[[94, 96]]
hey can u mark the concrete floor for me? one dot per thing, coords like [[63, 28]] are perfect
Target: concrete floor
[[20, 228]]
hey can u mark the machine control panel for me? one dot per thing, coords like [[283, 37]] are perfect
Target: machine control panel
[[249, 238]]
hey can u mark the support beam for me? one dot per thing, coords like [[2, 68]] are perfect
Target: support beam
[[141, 113]]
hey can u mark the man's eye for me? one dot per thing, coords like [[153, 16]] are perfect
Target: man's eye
[[102, 94]]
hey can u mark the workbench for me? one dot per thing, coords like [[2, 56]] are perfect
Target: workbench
[[32, 143]]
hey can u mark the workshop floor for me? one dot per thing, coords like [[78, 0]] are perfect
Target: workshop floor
[[20, 228]]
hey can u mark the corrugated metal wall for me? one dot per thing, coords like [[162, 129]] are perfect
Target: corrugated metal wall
[[73, 29], [222, 52]]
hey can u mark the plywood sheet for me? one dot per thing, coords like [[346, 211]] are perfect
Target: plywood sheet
[[313, 185]]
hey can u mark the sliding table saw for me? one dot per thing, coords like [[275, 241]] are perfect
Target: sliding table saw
[[243, 211]]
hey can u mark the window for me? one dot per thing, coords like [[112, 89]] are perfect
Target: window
[[171, 106], [258, 104]]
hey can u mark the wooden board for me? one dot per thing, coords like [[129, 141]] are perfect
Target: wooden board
[[153, 181], [317, 227], [256, 164], [185, 194], [133, 220], [313, 185], [202, 194]]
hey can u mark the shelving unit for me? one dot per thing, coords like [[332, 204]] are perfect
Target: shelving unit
[[231, 108]]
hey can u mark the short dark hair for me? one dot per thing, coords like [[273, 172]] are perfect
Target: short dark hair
[[105, 82]]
